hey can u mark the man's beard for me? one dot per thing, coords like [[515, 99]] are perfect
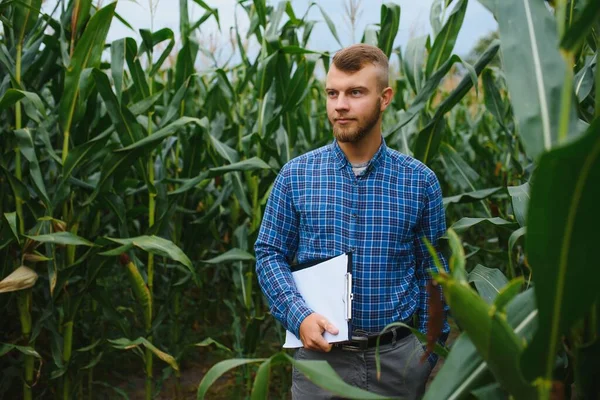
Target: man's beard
[[352, 135]]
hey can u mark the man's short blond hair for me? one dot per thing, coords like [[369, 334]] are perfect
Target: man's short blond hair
[[354, 58]]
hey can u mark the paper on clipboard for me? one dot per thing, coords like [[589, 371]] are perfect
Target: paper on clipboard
[[326, 289]]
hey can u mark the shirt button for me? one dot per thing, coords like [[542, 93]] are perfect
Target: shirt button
[[354, 215]]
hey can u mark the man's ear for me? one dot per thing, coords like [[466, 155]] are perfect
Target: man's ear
[[386, 97]]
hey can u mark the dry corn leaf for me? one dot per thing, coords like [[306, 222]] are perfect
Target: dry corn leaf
[[21, 278]]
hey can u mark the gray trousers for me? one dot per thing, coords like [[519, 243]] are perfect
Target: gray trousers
[[402, 373]]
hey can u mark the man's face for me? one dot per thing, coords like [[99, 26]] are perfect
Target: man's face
[[353, 102]]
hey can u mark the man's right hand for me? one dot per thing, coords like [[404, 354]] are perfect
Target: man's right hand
[[311, 332]]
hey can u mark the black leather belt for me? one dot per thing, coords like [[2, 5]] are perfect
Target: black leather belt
[[358, 343]]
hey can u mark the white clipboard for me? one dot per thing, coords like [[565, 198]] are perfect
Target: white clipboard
[[326, 287]]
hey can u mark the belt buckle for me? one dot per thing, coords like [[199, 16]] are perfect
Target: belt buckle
[[357, 343]]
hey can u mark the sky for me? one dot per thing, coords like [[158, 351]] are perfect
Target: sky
[[414, 21]]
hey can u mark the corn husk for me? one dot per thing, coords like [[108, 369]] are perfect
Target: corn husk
[[21, 278]]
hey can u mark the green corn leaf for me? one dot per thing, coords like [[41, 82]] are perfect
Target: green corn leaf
[[117, 251], [112, 387], [467, 82], [466, 223], [130, 131], [584, 79], [174, 107], [87, 54], [520, 200], [296, 91], [252, 164], [331, 25], [488, 281], [413, 60], [323, 375], [189, 184], [463, 175], [260, 7], [494, 339], [492, 391], [428, 142], [117, 65], [471, 197], [370, 36], [212, 11], [435, 16], [159, 246], [18, 188], [150, 142], [184, 20], [28, 150], [210, 341], [11, 218], [25, 15], [95, 361], [231, 256], [201, 20], [562, 218], [300, 50], [184, 65], [126, 344], [80, 154], [534, 71], [145, 105], [581, 27], [27, 350], [429, 138], [265, 75], [135, 69], [319, 372], [445, 40], [83, 12], [493, 100], [490, 5], [153, 39], [260, 388], [508, 293], [218, 370], [113, 164], [390, 22], [512, 241], [430, 87], [11, 96], [275, 19], [464, 369], [457, 261], [64, 238]]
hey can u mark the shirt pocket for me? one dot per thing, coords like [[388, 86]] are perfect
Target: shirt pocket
[[318, 224]]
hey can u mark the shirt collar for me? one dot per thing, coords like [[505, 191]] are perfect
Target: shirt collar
[[341, 160]]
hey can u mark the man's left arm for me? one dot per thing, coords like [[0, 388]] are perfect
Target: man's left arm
[[432, 226]]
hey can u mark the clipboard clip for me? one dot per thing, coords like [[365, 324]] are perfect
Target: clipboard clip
[[349, 296]]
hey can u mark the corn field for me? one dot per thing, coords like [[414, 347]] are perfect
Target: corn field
[[132, 185]]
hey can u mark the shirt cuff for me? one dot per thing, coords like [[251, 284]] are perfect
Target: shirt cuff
[[298, 312]]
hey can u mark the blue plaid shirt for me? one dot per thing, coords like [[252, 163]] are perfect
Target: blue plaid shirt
[[318, 209]]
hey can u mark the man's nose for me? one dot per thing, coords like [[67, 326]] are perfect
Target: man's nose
[[341, 102]]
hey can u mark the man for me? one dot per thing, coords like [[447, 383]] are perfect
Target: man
[[356, 195]]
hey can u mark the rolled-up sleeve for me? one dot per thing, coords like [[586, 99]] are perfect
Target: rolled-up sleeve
[[275, 249]]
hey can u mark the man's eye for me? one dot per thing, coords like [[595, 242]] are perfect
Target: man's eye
[[331, 94], [356, 93]]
